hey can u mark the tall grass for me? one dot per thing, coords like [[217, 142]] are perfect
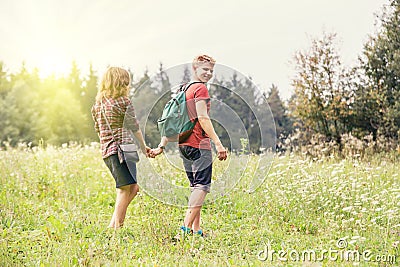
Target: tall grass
[[55, 205]]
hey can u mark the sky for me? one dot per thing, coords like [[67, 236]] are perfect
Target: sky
[[256, 38]]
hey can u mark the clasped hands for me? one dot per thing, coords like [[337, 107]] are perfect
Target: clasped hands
[[151, 152], [222, 153]]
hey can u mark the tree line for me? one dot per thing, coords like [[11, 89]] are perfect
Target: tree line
[[355, 107], [332, 104], [51, 110]]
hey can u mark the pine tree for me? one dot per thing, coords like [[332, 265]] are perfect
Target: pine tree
[[74, 81], [279, 111], [20, 104], [186, 74], [4, 80], [88, 98]]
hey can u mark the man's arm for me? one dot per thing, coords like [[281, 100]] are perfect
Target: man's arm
[[160, 149], [205, 123]]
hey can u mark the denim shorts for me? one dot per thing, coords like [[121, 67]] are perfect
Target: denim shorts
[[123, 175], [198, 167]]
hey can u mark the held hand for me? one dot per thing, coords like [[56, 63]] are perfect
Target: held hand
[[222, 154], [146, 151], [149, 154], [156, 151]]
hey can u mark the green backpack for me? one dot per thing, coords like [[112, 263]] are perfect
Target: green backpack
[[175, 123]]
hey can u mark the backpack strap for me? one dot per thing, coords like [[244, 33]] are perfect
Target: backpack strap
[[186, 86]]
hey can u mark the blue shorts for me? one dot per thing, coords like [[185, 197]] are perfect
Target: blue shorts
[[198, 167], [120, 171]]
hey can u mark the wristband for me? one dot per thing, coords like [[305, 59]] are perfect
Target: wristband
[[162, 147]]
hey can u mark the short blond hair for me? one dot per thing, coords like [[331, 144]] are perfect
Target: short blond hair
[[203, 59], [116, 82]]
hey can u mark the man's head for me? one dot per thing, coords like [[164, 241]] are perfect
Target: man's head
[[203, 68]]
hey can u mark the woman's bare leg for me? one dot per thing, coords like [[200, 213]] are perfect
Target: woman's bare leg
[[125, 195]]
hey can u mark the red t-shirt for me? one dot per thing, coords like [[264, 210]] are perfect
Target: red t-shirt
[[198, 138]]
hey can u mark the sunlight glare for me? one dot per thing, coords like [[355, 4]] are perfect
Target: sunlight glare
[[53, 62]]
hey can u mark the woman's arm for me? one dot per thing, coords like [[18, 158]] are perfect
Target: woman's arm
[[96, 125], [139, 136]]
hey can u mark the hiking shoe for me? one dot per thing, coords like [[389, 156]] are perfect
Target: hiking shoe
[[201, 233]]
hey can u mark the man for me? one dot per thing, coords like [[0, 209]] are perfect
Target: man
[[196, 149]]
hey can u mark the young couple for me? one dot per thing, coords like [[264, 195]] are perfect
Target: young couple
[[113, 106]]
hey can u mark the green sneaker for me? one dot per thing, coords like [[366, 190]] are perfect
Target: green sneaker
[[201, 233]]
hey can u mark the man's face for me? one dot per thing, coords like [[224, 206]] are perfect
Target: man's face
[[204, 71]]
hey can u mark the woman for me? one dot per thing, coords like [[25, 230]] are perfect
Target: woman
[[111, 109]]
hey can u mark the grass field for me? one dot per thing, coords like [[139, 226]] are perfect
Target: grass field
[[55, 205]]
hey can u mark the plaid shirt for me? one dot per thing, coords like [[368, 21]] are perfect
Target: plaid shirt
[[121, 117]]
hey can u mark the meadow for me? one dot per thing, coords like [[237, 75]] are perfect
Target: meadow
[[56, 202]]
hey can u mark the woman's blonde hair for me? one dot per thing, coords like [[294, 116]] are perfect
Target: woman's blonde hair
[[116, 82], [202, 59]]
